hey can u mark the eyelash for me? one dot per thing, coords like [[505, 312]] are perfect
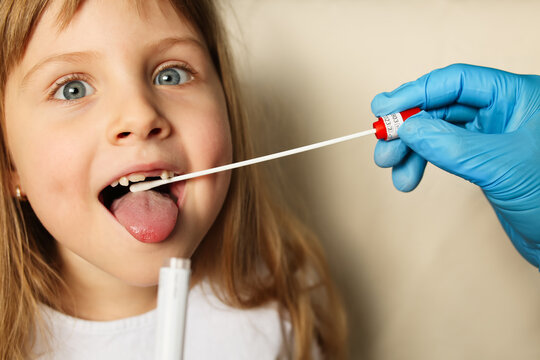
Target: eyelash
[[65, 80], [82, 77], [181, 66]]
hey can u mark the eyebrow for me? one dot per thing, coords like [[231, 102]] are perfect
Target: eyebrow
[[80, 57], [74, 58], [163, 44]]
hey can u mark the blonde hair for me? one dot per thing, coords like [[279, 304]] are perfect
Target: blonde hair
[[262, 253]]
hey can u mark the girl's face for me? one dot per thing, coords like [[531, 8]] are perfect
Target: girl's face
[[119, 91]]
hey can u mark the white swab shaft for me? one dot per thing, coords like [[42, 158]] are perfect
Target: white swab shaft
[[152, 184]]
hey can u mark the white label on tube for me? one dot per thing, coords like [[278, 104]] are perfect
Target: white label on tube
[[392, 123]]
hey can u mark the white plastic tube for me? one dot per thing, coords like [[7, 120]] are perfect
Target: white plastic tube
[[171, 310]]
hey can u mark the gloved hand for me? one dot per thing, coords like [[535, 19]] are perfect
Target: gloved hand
[[480, 124]]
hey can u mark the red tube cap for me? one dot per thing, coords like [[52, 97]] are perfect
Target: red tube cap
[[387, 126]]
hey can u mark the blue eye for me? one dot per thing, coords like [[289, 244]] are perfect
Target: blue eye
[[74, 90], [172, 76]]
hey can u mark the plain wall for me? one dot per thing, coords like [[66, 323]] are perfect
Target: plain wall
[[425, 275]]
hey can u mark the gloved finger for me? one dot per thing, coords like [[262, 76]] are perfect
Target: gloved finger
[[527, 249], [463, 84], [491, 120], [407, 175], [455, 113], [389, 153], [479, 158], [407, 96]]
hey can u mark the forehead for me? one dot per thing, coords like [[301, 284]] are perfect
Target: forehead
[[151, 12], [99, 25]]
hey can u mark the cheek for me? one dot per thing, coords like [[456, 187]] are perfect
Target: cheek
[[206, 141], [219, 138], [57, 195], [60, 169], [202, 124], [51, 164], [209, 145]]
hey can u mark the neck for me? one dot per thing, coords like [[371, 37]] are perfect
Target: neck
[[96, 295]]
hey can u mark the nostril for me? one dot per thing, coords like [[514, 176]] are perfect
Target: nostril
[[123, 135], [155, 132]]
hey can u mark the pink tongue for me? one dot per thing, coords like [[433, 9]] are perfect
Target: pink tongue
[[148, 215]]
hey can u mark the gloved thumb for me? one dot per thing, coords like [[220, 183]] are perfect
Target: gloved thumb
[[476, 157]]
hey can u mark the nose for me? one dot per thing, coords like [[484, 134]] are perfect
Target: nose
[[137, 119]]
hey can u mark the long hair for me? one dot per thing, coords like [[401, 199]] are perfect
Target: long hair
[[259, 251]]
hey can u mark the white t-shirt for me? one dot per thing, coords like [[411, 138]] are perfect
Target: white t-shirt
[[213, 331]]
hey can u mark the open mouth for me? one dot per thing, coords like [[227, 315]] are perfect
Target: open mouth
[[108, 195], [149, 216]]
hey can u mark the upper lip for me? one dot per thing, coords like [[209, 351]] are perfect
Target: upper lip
[[148, 170]]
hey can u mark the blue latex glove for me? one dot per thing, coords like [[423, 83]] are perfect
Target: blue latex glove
[[480, 124]]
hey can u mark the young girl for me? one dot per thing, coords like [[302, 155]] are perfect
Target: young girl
[[97, 94]]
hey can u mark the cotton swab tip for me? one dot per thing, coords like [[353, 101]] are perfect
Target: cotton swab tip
[[143, 186]]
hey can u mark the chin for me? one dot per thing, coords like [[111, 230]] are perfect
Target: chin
[[141, 277], [144, 271]]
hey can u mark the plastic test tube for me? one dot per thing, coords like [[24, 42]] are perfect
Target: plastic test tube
[[171, 310], [386, 128]]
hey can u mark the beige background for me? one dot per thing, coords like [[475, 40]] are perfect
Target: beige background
[[425, 275]]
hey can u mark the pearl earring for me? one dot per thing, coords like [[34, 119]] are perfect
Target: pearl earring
[[19, 194]]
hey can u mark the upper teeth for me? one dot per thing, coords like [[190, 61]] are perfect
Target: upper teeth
[[125, 180]]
